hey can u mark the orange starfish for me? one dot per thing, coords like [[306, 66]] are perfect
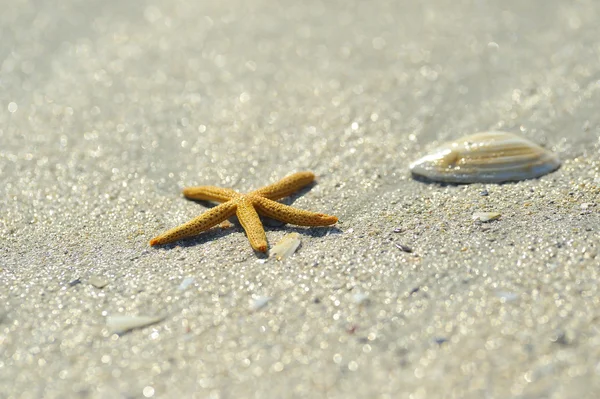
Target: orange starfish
[[247, 207]]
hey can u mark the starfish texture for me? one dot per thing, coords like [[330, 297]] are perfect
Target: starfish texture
[[247, 208]]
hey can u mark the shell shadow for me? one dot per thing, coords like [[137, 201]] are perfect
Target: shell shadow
[[311, 231], [425, 180]]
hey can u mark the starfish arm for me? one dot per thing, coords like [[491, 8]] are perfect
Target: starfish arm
[[209, 193], [288, 214], [252, 225], [197, 225], [285, 186]]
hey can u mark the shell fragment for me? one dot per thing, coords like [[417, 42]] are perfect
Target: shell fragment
[[259, 302], [286, 246], [486, 216], [121, 324], [186, 283], [489, 157]]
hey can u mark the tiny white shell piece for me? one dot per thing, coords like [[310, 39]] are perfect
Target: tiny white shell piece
[[488, 157], [286, 246], [121, 324], [507, 296], [486, 216], [259, 302], [186, 283], [360, 298]]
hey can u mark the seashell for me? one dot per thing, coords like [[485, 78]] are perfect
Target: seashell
[[121, 324], [361, 298], [259, 302], [486, 216], [488, 157], [286, 246], [186, 283]]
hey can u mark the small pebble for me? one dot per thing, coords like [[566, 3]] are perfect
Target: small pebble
[[484, 193], [74, 282], [97, 282], [404, 248]]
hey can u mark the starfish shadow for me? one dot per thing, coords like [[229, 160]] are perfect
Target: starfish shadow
[[289, 200], [217, 232], [211, 234], [293, 197], [269, 224]]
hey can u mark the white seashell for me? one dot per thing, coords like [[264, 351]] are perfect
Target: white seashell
[[286, 246], [121, 324], [489, 157], [507, 296], [259, 302], [360, 298], [486, 216], [186, 283]]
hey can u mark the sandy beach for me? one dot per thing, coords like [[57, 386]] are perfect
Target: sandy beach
[[109, 109]]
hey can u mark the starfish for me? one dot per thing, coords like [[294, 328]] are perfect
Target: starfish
[[247, 207]]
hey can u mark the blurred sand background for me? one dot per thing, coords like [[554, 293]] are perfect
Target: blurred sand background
[[108, 108]]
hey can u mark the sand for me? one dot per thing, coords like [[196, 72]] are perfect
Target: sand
[[109, 108]]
